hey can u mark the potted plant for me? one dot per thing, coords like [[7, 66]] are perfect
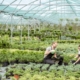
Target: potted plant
[[11, 60], [7, 74], [4, 62], [4, 57], [16, 77], [11, 71], [17, 74], [22, 58]]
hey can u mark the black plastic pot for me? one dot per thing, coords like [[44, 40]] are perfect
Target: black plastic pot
[[22, 62], [11, 74], [4, 64], [65, 63], [12, 63], [7, 76], [17, 61], [73, 61]]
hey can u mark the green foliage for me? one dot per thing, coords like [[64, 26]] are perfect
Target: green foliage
[[3, 57], [4, 42], [18, 72], [52, 67], [37, 67], [24, 56], [21, 56], [45, 67], [67, 58], [32, 72]]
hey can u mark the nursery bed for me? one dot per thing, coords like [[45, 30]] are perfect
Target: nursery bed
[[32, 69]]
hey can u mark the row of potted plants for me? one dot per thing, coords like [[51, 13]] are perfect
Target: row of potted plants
[[54, 73], [20, 56], [7, 57]]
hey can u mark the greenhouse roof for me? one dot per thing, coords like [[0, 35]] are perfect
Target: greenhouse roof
[[45, 10]]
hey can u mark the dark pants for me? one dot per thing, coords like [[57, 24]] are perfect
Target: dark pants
[[49, 61], [53, 61], [60, 61], [75, 61]]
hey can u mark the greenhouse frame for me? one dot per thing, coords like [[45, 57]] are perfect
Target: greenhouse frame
[[33, 11], [39, 39]]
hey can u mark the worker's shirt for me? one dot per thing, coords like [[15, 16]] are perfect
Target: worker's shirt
[[79, 52], [48, 56]]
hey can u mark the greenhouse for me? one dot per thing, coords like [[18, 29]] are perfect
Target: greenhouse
[[39, 39]]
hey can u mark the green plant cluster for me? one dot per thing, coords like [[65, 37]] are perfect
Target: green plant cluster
[[68, 41], [21, 56], [5, 42], [47, 33], [15, 33], [35, 71]]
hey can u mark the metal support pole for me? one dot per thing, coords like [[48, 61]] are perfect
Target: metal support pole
[[34, 24], [43, 25], [21, 32], [28, 32], [11, 28], [39, 27], [34, 27], [6, 26]]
